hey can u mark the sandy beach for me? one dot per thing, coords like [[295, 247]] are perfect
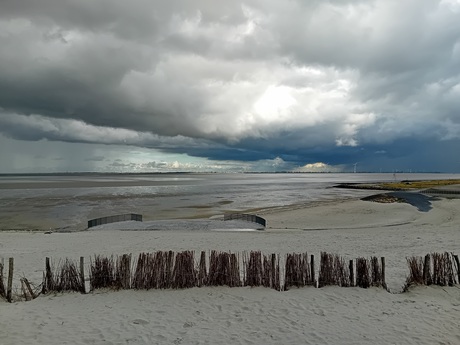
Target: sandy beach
[[229, 172], [331, 315]]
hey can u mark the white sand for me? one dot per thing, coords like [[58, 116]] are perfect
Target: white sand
[[426, 315]]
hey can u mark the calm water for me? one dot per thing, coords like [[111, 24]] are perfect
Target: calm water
[[58, 202]]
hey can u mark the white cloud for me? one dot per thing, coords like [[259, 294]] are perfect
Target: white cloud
[[319, 167]]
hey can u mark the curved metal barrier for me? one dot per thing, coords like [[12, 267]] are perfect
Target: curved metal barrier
[[113, 219], [247, 217]]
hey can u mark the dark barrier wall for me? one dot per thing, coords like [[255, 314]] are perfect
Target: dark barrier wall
[[247, 217], [113, 219]]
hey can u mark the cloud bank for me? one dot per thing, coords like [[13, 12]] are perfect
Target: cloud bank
[[248, 82]]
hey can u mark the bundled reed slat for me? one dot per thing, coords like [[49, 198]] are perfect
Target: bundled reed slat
[[419, 271], [29, 291], [184, 274], [326, 269], [224, 270], [138, 272], [443, 272], [253, 269], [102, 273], [235, 277], [416, 272], [304, 269], [202, 271], [123, 272], [438, 269], [215, 276], [376, 272], [363, 279], [341, 272], [154, 270], [64, 277], [70, 278], [293, 271], [139, 278], [297, 271], [266, 272], [160, 271], [270, 272], [333, 271], [166, 282]]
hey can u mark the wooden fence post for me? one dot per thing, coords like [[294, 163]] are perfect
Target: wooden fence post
[[384, 284], [2, 286], [427, 270], [10, 280], [273, 266], [457, 262], [82, 274], [47, 284], [312, 269], [352, 273]]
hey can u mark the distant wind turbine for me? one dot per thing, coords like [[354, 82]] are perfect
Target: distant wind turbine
[[354, 167]]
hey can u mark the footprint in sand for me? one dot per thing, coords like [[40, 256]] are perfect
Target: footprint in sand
[[319, 312], [140, 322], [188, 324]]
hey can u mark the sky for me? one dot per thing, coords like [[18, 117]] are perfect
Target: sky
[[214, 85]]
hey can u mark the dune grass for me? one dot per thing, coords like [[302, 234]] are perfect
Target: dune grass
[[418, 184]]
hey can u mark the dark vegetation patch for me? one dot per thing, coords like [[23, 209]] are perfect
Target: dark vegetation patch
[[384, 198], [399, 185]]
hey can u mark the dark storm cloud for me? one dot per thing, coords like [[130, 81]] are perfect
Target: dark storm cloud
[[301, 81], [95, 159], [222, 154], [416, 155], [35, 127]]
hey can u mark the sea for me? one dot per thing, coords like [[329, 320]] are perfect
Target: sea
[[65, 202]]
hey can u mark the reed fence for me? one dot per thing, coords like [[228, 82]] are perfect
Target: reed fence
[[182, 270], [442, 269]]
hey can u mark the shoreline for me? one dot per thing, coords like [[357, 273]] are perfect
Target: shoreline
[[266, 212], [163, 197], [369, 215]]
